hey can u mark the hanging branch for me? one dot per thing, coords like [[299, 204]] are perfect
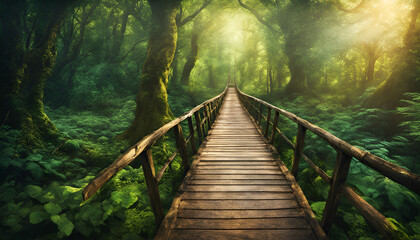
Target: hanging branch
[[356, 9], [192, 16], [259, 17]]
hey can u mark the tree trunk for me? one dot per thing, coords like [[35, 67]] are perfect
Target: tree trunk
[[297, 82], [404, 76], [118, 39], [152, 100], [192, 59], [212, 83], [40, 64], [267, 81], [271, 79], [27, 108]]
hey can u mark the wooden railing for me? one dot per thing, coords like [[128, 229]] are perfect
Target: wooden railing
[[204, 116], [345, 152]]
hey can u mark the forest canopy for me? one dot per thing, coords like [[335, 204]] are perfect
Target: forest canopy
[[81, 81]]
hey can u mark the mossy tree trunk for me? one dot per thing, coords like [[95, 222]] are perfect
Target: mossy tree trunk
[[191, 60], [23, 105], [152, 100]]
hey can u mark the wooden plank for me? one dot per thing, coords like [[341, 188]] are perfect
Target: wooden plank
[[227, 224], [234, 163], [237, 188], [238, 176], [238, 214], [239, 204], [234, 167], [237, 182], [247, 158], [250, 172], [295, 234], [234, 195]]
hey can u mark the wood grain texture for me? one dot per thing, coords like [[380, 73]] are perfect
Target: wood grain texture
[[236, 190]]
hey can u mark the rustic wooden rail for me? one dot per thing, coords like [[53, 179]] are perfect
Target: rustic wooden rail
[[207, 111], [345, 152]]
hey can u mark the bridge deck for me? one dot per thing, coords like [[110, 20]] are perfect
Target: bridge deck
[[235, 189]]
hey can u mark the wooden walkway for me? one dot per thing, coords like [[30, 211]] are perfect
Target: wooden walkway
[[236, 189]]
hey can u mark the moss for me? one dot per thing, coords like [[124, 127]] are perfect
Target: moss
[[398, 231]]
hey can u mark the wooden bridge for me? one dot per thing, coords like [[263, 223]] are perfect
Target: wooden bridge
[[236, 186]]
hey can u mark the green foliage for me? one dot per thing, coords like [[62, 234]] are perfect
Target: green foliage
[[63, 224], [412, 113]]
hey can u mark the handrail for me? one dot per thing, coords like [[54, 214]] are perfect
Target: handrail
[[345, 152], [210, 108]]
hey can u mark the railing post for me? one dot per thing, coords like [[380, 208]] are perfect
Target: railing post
[[192, 139], [212, 112], [254, 109], [182, 146], [146, 160], [274, 130], [260, 115], [197, 123], [268, 122], [300, 138], [207, 116], [341, 170]]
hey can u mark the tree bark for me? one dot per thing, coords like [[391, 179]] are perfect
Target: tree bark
[[152, 100], [191, 60]]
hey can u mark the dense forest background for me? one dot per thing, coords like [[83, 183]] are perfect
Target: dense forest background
[[82, 80]]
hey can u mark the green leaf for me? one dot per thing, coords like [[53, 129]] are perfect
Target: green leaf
[[124, 199], [52, 208], [33, 191], [37, 217], [64, 225]]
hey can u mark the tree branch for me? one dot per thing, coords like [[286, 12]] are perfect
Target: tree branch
[[192, 16], [356, 9], [259, 17]]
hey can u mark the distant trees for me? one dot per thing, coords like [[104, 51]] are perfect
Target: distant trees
[[28, 50]]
